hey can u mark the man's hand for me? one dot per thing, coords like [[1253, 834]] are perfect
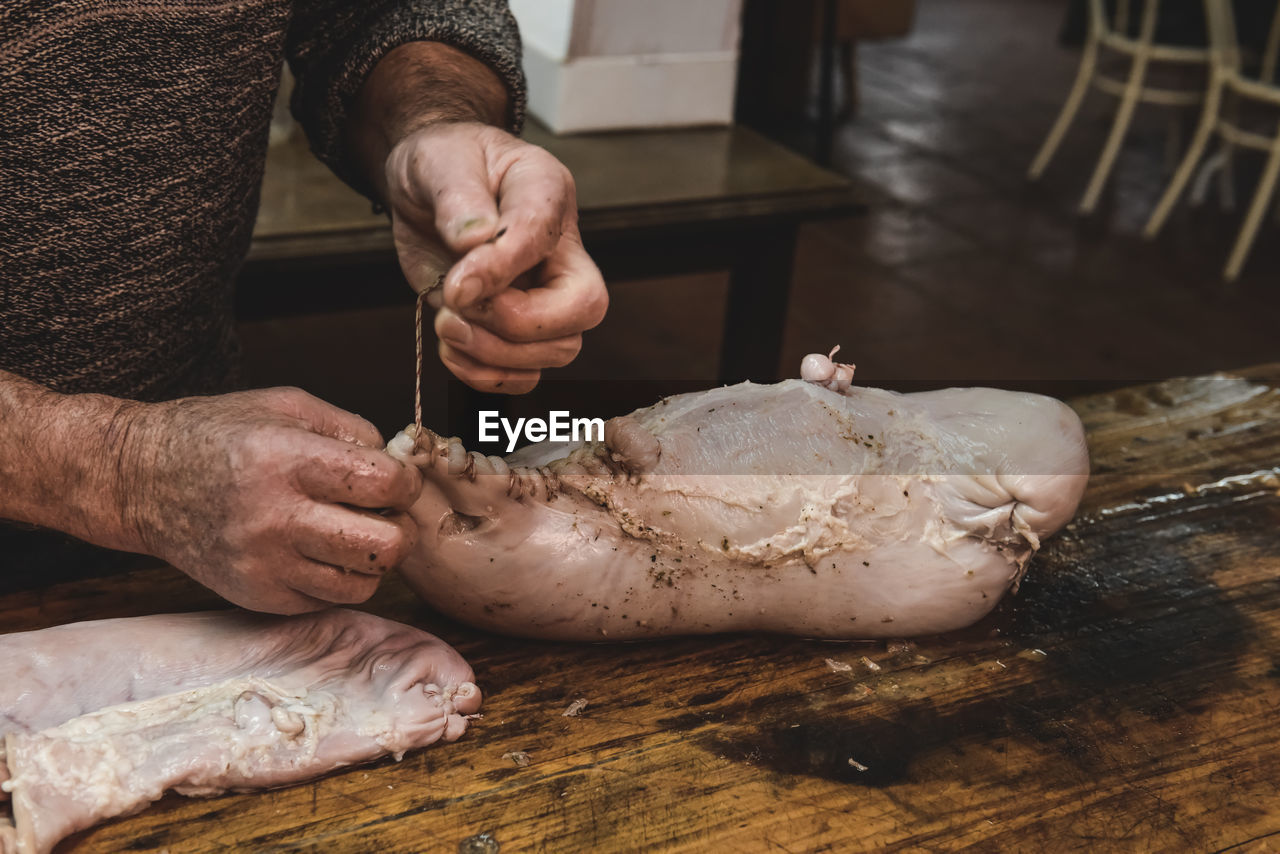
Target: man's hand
[[500, 215], [525, 289], [274, 499]]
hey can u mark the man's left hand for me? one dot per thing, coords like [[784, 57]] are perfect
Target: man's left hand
[[501, 216]]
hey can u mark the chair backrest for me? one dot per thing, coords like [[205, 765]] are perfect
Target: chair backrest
[[1180, 23], [1224, 35]]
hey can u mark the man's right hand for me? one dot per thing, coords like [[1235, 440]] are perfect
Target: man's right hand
[[273, 498]]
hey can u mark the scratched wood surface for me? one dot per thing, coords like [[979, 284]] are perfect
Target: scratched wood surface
[[1126, 699]]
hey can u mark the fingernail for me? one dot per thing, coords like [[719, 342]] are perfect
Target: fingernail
[[469, 291], [456, 331], [471, 223]]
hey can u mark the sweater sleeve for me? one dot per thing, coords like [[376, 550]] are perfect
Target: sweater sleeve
[[332, 46]]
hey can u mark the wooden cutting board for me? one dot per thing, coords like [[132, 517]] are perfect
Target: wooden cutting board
[[1128, 698]]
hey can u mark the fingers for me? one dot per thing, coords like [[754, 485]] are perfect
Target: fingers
[[538, 202], [344, 474], [345, 553], [507, 210], [357, 542], [423, 257], [570, 298], [447, 178], [484, 377], [450, 209], [332, 585], [484, 347], [276, 600], [493, 345], [327, 419]]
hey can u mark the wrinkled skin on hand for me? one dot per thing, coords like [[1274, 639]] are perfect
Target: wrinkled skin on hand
[[523, 289], [272, 498]]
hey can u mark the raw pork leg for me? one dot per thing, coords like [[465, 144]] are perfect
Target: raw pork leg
[[99, 719], [808, 507]]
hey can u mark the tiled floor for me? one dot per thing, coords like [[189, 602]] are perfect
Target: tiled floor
[[960, 273], [963, 270]]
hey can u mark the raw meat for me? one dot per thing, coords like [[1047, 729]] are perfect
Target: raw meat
[[807, 507], [99, 719]]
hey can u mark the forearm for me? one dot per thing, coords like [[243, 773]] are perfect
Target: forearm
[[63, 462], [415, 85]]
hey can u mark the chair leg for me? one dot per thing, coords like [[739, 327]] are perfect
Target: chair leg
[[1210, 167], [1124, 115], [1273, 48], [1208, 118], [1088, 65], [1257, 210], [1227, 178]]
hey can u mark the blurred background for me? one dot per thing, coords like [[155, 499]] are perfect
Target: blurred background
[[760, 180]]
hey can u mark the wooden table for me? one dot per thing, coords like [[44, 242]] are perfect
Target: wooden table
[[1126, 699], [651, 204]]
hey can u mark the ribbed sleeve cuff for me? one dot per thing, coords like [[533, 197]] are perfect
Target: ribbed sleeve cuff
[[326, 90]]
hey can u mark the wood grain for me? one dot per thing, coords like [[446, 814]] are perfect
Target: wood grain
[[1125, 700]]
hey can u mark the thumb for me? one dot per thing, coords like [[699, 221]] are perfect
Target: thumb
[[449, 175], [328, 420]]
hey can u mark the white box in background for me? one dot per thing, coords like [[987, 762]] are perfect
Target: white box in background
[[608, 64]]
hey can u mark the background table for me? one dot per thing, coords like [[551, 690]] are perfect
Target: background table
[[1125, 699], [650, 204]]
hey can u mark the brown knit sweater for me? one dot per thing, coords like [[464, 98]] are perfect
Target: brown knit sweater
[[132, 140]]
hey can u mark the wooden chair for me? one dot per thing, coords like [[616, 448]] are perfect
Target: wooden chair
[[1112, 34], [1228, 79]]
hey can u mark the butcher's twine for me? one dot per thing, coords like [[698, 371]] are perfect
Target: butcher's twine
[[417, 351]]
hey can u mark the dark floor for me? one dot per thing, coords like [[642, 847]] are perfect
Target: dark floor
[[964, 271], [961, 272]]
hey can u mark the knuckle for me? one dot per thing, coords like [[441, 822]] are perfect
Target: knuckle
[[260, 453], [567, 352], [367, 432], [451, 198], [594, 306], [570, 196], [288, 395], [401, 184], [566, 177]]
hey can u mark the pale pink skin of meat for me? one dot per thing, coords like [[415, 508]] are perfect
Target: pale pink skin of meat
[[808, 507], [99, 719]]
